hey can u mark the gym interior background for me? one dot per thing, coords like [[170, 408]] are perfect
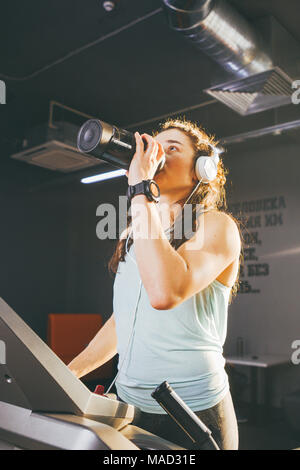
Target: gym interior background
[[126, 66]]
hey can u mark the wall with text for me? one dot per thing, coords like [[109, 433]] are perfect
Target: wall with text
[[265, 196]]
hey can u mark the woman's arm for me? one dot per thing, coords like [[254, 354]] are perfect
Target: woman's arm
[[100, 350], [171, 276]]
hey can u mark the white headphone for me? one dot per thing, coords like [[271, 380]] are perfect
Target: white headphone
[[206, 167]]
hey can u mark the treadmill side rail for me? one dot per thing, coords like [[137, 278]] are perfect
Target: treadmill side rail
[[27, 430], [32, 376]]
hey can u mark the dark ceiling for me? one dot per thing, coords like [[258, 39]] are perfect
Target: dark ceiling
[[139, 70]]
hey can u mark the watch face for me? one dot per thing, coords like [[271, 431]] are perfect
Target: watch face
[[154, 189]]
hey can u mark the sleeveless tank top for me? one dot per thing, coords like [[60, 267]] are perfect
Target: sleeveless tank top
[[183, 345]]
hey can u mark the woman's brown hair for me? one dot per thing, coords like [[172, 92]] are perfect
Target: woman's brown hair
[[211, 195]]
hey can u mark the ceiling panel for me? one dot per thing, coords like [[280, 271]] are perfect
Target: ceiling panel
[[133, 74]]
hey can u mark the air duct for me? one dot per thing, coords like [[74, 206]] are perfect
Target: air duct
[[217, 29]]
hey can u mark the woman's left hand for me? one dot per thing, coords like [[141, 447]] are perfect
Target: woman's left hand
[[144, 162]]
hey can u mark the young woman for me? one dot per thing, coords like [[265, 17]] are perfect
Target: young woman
[[171, 294]]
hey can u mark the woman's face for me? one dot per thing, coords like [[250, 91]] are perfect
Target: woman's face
[[178, 172]]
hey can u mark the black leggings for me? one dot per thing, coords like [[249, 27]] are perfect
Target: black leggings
[[220, 419]]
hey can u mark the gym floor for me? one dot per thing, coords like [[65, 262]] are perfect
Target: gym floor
[[273, 433]]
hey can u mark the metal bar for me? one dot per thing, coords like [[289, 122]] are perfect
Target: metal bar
[[60, 105], [284, 126]]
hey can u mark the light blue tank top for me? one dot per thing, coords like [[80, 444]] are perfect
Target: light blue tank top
[[183, 345]]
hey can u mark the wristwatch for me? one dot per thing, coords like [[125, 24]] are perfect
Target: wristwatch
[[147, 187]]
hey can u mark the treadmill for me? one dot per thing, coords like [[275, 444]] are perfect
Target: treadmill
[[44, 406]]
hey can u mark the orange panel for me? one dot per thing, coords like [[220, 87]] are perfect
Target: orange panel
[[68, 334]]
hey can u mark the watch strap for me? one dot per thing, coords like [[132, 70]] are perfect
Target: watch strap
[[140, 188]]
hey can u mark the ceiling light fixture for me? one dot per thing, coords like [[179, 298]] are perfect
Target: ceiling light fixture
[[108, 5], [103, 176]]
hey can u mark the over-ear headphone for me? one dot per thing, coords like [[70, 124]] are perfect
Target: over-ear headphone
[[206, 167]]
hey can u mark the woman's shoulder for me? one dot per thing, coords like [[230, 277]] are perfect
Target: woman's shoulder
[[221, 219], [223, 228]]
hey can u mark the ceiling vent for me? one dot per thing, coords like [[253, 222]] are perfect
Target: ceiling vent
[[54, 149], [257, 60], [256, 93], [56, 156]]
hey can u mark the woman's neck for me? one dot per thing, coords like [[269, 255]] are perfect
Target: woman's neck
[[170, 206]]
